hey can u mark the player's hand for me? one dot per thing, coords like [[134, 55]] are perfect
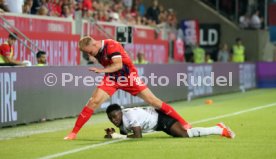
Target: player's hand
[[108, 132], [96, 70]]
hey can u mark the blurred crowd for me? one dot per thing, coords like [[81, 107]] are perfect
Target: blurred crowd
[[253, 21], [131, 12], [248, 13]]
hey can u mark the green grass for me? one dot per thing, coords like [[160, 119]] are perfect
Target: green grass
[[256, 134]]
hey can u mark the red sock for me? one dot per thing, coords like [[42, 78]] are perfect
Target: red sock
[[167, 109], [84, 116]]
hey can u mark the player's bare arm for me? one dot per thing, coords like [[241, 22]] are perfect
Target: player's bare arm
[[12, 61], [115, 66], [137, 132]]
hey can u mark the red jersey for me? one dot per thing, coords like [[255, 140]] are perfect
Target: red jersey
[[113, 49], [5, 51]]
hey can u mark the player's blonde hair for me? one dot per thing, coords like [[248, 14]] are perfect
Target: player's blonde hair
[[84, 42]]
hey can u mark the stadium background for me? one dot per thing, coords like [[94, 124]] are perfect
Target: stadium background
[[26, 99]]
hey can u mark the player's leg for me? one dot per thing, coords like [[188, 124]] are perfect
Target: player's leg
[[98, 97], [177, 130], [219, 129], [152, 100]]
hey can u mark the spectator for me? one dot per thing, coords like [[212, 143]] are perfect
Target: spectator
[[15, 6], [49, 5], [43, 11], [238, 51], [103, 16], [141, 20], [41, 58], [55, 8], [87, 4], [36, 6], [114, 17], [244, 21], [163, 16], [172, 21], [86, 14], [6, 52], [26, 8], [141, 7], [140, 59], [78, 6], [3, 6], [128, 3], [153, 12], [66, 12], [118, 6], [208, 58], [198, 54], [256, 21], [223, 54]]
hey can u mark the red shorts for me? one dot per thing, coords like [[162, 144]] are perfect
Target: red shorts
[[131, 84]]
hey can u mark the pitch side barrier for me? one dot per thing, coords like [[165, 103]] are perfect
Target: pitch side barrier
[[30, 94], [266, 74]]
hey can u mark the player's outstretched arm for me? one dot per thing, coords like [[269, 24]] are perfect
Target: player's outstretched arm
[[137, 132], [12, 61]]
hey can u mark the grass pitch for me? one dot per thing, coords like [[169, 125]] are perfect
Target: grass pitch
[[251, 115]]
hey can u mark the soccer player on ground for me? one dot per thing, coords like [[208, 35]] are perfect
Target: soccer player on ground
[[144, 120], [116, 62]]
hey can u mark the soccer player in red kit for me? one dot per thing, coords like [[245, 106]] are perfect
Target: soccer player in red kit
[[6, 51], [116, 62]]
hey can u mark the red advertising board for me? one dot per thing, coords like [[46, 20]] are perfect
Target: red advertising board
[[146, 33], [60, 49], [155, 51], [38, 24]]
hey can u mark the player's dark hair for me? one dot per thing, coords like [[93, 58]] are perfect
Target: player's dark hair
[[40, 53], [113, 107], [238, 39], [13, 36]]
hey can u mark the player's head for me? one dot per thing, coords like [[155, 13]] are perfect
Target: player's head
[[114, 113], [41, 57], [12, 38], [238, 40], [140, 56], [88, 45]]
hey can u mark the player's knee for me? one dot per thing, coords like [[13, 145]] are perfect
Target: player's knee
[[155, 102], [184, 134], [94, 103]]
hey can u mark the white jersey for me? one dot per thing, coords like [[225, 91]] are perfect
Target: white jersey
[[146, 118]]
